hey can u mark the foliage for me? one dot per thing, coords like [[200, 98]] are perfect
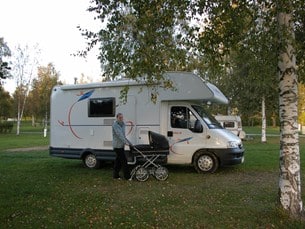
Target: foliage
[[140, 38], [299, 36], [24, 65], [301, 104], [6, 104], [19, 97], [25, 62], [243, 40], [6, 127], [218, 35], [230, 43], [39, 96], [4, 65]]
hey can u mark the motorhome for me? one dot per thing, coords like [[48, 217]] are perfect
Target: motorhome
[[232, 123], [82, 116]]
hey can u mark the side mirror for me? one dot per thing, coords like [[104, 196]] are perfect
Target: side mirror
[[198, 127]]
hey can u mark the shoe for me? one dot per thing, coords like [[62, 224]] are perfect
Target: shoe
[[130, 179], [117, 178]]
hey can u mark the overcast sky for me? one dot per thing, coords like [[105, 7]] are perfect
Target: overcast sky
[[52, 24]]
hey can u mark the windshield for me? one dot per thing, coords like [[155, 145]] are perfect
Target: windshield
[[211, 122]]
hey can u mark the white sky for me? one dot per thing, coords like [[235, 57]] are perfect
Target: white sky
[[52, 25]]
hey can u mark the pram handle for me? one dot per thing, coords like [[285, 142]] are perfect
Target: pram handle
[[129, 143]]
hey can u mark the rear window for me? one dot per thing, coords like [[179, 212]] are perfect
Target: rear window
[[228, 124]]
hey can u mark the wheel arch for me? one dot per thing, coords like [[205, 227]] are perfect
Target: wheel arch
[[205, 151], [210, 164], [96, 162], [86, 152]]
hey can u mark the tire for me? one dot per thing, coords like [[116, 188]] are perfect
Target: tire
[[205, 162], [161, 173], [133, 171], [142, 174], [91, 162]]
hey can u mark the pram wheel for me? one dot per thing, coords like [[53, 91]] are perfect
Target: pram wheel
[[142, 174], [161, 173]]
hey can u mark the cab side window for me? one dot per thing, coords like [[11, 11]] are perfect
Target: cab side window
[[179, 117], [183, 118]]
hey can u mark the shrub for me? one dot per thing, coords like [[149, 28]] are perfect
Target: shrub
[[6, 127]]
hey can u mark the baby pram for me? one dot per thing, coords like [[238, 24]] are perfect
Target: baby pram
[[148, 158]]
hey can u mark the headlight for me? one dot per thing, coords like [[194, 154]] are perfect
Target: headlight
[[233, 144]]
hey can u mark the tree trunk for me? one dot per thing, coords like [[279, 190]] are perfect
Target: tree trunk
[[273, 118], [264, 140], [289, 180], [33, 121], [18, 118]]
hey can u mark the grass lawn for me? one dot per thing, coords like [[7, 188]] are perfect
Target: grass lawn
[[29, 137], [10, 141], [257, 130], [39, 191]]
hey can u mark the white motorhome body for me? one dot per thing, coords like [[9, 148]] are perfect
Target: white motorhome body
[[82, 118], [232, 123]]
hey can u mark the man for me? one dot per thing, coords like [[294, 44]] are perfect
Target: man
[[118, 142]]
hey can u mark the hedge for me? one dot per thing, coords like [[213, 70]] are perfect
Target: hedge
[[6, 127]]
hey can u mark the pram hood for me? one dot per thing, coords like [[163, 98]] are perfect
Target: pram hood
[[157, 141], [158, 147]]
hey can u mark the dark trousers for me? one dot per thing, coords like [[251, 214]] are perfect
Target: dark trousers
[[120, 163]]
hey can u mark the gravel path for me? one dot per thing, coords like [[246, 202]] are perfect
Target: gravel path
[[36, 148]]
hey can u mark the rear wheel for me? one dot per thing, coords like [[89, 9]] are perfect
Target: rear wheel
[[91, 162], [161, 173], [205, 162]]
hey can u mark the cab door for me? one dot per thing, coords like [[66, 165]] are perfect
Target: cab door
[[184, 134]]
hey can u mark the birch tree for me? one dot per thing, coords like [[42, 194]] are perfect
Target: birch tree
[[4, 65], [290, 178], [24, 64], [139, 37]]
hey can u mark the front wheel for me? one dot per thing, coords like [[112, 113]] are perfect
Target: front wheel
[[205, 162], [142, 174], [91, 162]]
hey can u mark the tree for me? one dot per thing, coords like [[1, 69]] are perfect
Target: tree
[[4, 65], [211, 35], [289, 185], [139, 38], [241, 37], [290, 178], [24, 65], [39, 96], [6, 104], [299, 28]]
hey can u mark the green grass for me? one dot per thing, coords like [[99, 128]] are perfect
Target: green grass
[[258, 130], [10, 141], [29, 137], [38, 191]]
